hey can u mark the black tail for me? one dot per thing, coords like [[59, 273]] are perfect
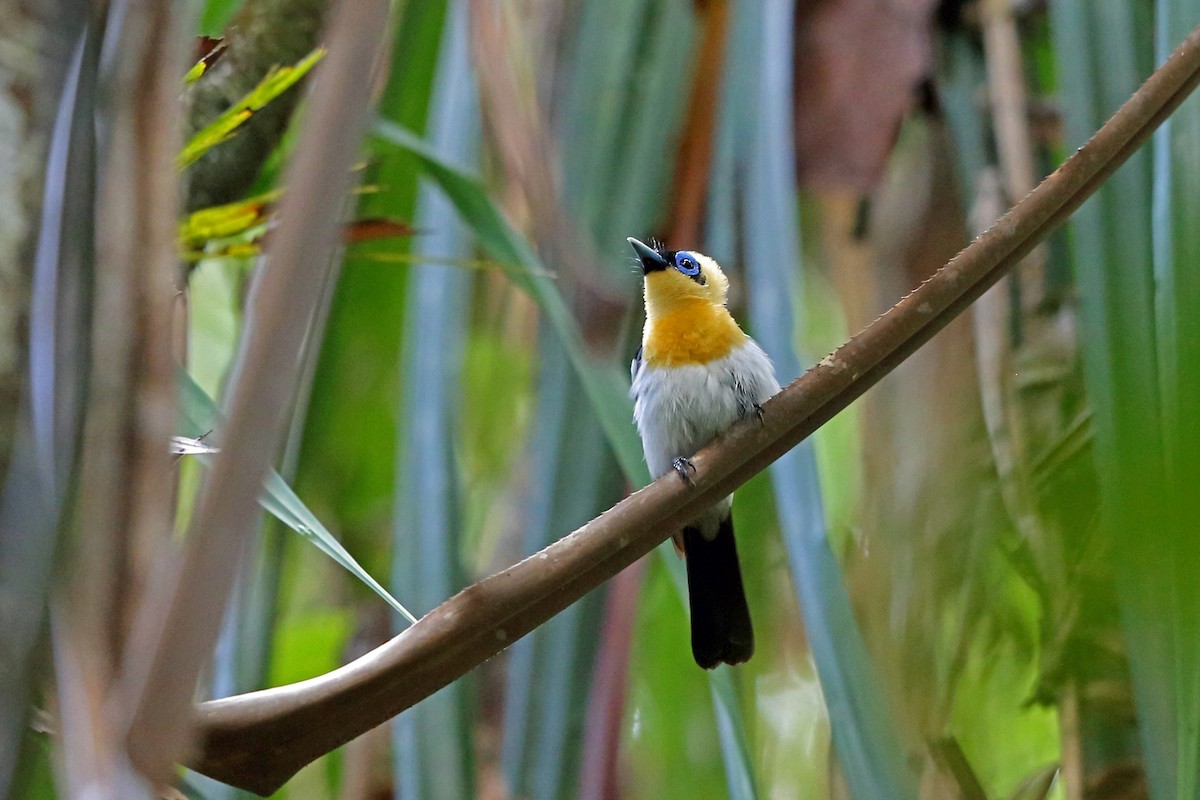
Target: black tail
[[721, 630]]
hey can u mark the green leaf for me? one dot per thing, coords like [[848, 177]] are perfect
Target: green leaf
[[310, 645], [277, 81], [349, 455], [223, 221], [202, 418], [193, 74], [1104, 51], [605, 386], [198, 70], [216, 15], [203, 226], [550, 671], [433, 753], [676, 746], [624, 102], [46, 365], [732, 729], [1175, 217]]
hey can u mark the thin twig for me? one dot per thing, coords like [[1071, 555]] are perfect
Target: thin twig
[[257, 741]]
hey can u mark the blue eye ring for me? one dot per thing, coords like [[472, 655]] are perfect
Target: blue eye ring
[[687, 263]]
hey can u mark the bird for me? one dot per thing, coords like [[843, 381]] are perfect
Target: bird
[[696, 374]]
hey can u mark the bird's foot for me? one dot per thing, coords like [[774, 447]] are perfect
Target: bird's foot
[[684, 468], [758, 412]]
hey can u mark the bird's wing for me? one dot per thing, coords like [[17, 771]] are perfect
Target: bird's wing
[[636, 366], [751, 378]]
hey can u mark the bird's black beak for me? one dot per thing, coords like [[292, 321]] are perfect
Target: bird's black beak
[[651, 259]]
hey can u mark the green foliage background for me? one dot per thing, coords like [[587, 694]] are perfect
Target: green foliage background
[[455, 419]]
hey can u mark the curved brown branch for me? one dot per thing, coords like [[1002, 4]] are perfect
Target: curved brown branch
[[257, 741]]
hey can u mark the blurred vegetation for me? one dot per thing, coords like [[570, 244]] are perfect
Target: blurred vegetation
[[979, 582]]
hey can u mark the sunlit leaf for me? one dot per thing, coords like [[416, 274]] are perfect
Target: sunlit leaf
[[276, 82], [241, 229], [225, 221], [210, 53]]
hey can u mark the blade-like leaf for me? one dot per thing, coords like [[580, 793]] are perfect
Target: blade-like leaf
[[731, 727], [1103, 51], [349, 455], [44, 338], [1175, 217], [605, 386], [592, 109], [550, 670], [433, 756], [201, 417], [276, 82], [616, 132], [223, 221]]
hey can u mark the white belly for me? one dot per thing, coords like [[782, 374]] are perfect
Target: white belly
[[680, 409]]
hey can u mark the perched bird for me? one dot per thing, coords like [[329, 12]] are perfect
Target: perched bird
[[696, 374]]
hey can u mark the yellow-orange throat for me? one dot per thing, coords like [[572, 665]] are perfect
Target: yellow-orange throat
[[693, 332]]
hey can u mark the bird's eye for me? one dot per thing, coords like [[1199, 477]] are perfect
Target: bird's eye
[[686, 263]]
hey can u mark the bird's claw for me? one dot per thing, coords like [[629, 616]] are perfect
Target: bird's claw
[[684, 468], [758, 412]]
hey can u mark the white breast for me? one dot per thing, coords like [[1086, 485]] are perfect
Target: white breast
[[680, 409]]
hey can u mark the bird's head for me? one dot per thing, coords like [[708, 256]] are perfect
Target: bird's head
[[675, 277]]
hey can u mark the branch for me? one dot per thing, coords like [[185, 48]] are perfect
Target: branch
[[259, 740]]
